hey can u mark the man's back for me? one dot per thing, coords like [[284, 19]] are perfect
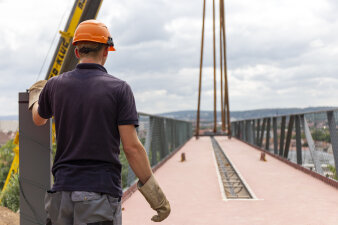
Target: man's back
[[88, 105]]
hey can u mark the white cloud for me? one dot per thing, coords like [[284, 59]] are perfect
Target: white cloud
[[317, 43], [280, 53]]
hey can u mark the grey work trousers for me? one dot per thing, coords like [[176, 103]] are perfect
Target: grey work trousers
[[82, 208]]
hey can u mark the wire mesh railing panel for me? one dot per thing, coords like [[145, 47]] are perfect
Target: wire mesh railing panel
[[322, 151], [160, 136], [310, 140]]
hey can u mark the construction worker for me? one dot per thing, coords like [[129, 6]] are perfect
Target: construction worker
[[92, 111]]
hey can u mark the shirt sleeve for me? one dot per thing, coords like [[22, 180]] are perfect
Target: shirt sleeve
[[45, 106], [127, 113]]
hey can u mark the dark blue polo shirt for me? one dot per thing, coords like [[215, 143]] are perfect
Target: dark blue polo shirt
[[88, 104]]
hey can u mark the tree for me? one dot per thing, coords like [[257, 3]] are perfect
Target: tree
[[10, 198], [6, 158]]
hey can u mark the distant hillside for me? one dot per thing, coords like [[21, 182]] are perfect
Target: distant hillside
[[10, 117], [190, 115]]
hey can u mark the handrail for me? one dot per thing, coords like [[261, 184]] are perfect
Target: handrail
[[161, 117], [289, 114]]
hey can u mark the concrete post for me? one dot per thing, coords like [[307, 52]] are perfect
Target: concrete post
[[35, 165]]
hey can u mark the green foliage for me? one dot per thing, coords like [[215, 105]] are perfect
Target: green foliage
[[143, 141], [6, 158], [10, 198], [125, 164], [321, 135], [302, 136], [53, 151], [333, 170]]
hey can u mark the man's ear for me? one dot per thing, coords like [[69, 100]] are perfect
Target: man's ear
[[105, 51], [77, 54]]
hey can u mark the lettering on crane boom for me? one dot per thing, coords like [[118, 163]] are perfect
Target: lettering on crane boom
[[59, 58], [81, 4]]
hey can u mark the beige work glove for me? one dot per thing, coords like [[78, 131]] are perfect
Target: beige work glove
[[34, 92], [156, 198]]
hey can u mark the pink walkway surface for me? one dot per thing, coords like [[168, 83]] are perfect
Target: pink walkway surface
[[284, 195]]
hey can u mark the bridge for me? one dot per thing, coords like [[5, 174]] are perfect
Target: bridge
[[267, 173], [276, 169]]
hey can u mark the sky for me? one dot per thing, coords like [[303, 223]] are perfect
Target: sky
[[280, 53]]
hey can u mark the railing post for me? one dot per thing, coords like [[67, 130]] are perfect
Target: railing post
[[258, 130], [298, 140], [244, 130], [163, 138], [275, 137], [333, 136], [262, 133], [248, 126], [168, 133], [190, 130], [253, 132], [250, 133], [267, 143], [288, 137], [237, 130], [282, 136], [233, 129], [155, 141], [147, 144], [241, 130], [173, 134]]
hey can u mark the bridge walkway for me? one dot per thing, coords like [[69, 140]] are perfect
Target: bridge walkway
[[283, 194]]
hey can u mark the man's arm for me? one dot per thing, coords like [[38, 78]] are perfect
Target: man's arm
[[37, 119], [135, 152], [138, 161]]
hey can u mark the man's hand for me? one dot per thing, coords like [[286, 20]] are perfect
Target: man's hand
[[156, 198], [34, 93]]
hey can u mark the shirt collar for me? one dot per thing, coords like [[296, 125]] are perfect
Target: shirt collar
[[90, 66]]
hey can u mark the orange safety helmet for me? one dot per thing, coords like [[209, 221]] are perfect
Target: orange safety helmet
[[95, 31]]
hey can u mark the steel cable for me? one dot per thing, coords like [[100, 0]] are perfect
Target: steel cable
[[51, 44]]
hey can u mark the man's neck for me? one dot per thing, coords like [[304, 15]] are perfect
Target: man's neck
[[91, 60]]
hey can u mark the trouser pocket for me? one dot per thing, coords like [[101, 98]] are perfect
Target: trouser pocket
[[91, 208]]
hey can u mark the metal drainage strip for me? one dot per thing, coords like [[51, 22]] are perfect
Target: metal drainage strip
[[233, 185]]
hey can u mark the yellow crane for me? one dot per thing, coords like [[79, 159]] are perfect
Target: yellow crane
[[63, 60]]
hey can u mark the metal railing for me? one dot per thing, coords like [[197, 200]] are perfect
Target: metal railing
[[160, 136], [307, 139]]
